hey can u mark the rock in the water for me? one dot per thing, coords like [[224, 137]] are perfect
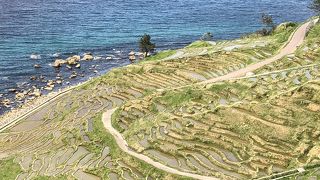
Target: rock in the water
[[7, 103], [37, 93], [20, 96], [78, 66], [87, 57], [37, 66], [58, 62], [50, 83], [33, 78], [73, 60], [69, 67], [73, 75], [12, 90], [48, 88]]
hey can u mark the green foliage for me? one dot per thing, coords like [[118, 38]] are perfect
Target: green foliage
[[283, 36], [115, 117], [161, 55], [103, 138], [217, 88], [314, 32], [174, 99], [9, 169], [199, 44], [146, 45]]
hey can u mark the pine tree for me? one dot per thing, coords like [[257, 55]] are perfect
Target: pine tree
[[146, 45]]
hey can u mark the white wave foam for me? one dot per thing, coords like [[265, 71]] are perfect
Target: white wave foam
[[35, 56]]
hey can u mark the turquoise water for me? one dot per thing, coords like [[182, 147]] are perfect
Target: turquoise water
[[103, 27]]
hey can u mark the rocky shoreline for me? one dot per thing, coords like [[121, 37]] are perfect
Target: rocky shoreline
[[10, 117], [66, 72]]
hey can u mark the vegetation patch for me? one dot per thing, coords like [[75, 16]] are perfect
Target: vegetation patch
[[9, 169], [174, 99], [160, 55], [199, 44]]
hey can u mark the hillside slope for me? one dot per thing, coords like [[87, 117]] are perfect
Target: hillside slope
[[242, 128]]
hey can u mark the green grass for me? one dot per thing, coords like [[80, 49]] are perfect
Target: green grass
[[9, 169], [174, 99], [283, 36], [160, 55], [314, 32], [199, 44], [217, 88]]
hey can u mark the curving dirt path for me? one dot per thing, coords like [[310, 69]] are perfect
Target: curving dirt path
[[121, 142], [295, 41]]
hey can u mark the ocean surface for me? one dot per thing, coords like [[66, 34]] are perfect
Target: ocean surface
[[53, 29]]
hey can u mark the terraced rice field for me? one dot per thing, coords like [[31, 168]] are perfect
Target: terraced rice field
[[191, 129], [276, 125]]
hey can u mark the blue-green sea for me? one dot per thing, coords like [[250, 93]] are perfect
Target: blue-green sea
[[53, 29]]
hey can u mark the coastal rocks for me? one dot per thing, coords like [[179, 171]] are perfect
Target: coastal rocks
[[50, 85], [73, 75], [132, 56], [6, 103], [69, 67], [73, 60], [33, 78], [58, 62], [12, 90], [78, 66], [87, 57], [20, 96], [37, 66]]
